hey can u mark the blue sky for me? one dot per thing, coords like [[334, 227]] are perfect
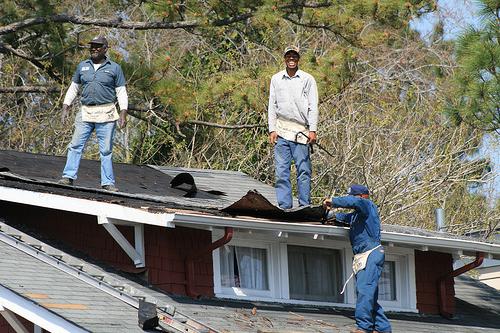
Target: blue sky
[[455, 14]]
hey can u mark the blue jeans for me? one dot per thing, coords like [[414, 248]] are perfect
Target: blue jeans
[[105, 133], [369, 314], [284, 152]]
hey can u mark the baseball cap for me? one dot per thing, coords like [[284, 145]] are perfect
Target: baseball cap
[[292, 48], [357, 189], [99, 40]]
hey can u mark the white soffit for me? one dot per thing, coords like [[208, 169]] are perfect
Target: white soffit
[[85, 206], [414, 241], [35, 313]]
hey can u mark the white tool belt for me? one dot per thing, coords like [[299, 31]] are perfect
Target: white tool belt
[[358, 264], [290, 130], [99, 113]]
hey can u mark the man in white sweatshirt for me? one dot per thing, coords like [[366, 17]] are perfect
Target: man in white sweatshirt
[[293, 121], [103, 83]]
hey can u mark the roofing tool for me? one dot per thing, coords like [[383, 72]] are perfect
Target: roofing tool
[[314, 143]]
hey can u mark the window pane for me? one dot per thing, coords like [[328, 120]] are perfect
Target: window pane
[[387, 282], [314, 274], [244, 267]]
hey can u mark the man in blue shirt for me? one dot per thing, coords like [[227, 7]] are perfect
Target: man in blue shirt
[[364, 234], [103, 83]]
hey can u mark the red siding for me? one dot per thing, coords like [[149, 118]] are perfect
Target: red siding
[[5, 326], [429, 267], [165, 248]]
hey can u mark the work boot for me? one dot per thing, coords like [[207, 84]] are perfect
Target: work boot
[[65, 181], [110, 188]]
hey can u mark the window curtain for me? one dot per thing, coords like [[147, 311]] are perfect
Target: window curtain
[[314, 274], [228, 277], [244, 267], [252, 265]]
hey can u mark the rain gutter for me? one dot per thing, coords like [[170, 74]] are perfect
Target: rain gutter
[[195, 256], [443, 304]]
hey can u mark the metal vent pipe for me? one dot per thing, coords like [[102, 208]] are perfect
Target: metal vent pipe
[[440, 221]]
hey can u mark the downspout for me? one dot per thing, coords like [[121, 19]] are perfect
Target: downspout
[[191, 258], [443, 304]]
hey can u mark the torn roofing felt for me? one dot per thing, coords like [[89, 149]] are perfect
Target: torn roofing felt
[[255, 204], [220, 192]]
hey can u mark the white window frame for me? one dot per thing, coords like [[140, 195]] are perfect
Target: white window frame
[[244, 293], [277, 261], [398, 271], [308, 242], [404, 259]]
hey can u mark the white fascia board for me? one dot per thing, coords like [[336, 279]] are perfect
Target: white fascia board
[[84, 206], [328, 230], [266, 225], [442, 242], [35, 313]]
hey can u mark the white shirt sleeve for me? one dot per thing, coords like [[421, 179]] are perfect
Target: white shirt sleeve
[[312, 99], [71, 93], [271, 108], [121, 95]]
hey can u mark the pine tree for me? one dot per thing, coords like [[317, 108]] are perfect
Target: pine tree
[[477, 81]]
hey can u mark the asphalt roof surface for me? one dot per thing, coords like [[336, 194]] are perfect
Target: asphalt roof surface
[[149, 186], [70, 298], [478, 306]]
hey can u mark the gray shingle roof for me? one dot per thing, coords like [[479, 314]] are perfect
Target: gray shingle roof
[[478, 306], [234, 183], [52, 289], [478, 310]]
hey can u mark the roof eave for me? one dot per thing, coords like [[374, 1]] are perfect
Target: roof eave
[[35, 313], [85, 206], [418, 242]]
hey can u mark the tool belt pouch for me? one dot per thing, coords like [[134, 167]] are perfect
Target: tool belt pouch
[[99, 113], [360, 259], [358, 264], [289, 130]]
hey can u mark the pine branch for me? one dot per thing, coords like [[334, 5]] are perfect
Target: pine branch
[[330, 28]]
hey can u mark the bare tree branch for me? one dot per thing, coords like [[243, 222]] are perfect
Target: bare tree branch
[[116, 23], [8, 49], [29, 89], [140, 114], [308, 4], [204, 123]]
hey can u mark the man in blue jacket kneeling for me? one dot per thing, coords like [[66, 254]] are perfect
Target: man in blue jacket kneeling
[[364, 234]]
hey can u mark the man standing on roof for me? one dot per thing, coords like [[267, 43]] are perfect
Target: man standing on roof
[[293, 121], [364, 234], [103, 83]]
